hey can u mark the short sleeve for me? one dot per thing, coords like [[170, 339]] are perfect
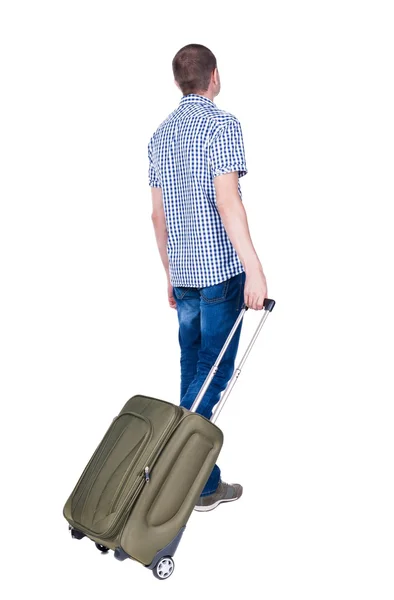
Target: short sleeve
[[226, 151], [153, 178]]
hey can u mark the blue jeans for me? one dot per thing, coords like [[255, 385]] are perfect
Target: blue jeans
[[206, 317]]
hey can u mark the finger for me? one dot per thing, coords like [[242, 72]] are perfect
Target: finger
[[253, 303], [259, 302]]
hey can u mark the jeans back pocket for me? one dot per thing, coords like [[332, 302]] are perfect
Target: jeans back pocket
[[215, 293]]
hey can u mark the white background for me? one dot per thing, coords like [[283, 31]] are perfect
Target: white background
[[84, 319]]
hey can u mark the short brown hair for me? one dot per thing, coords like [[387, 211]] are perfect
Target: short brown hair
[[192, 67]]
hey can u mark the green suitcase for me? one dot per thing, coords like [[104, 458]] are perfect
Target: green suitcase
[[139, 489]]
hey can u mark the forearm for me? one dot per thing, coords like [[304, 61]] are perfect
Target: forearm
[[159, 224], [161, 240], [233, 215]]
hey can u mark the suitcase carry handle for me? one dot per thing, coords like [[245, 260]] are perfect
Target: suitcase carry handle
[[268, 307]]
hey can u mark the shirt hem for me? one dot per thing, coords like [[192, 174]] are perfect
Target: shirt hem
[[196, 284]]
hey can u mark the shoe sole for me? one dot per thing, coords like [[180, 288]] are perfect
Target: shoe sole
[[216, 504]]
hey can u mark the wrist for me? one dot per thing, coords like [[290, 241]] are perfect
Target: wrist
[[252, 265]]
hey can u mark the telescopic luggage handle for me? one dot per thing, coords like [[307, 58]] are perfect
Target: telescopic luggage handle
[[268, 307]]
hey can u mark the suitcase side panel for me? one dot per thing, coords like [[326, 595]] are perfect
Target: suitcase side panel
[[177, 479]]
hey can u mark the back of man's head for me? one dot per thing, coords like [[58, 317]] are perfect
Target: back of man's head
[[193, 66]]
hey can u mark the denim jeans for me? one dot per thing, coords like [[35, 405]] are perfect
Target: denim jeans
[[206, 317]]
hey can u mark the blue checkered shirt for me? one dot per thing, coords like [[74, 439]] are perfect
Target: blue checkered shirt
[[197, 142]]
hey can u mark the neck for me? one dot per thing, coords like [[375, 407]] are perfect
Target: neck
[[206, 94]]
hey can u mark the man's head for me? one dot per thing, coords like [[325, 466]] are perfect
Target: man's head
[[195, 71]]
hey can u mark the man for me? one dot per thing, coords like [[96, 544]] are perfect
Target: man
[[196, 158]]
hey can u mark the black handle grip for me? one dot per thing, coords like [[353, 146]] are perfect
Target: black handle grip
[[269, 304]]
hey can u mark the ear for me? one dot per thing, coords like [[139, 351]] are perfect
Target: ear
[[177, 85], [215, 76]]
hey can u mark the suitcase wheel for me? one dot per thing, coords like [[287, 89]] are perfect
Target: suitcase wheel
[[77, 535], [102, 548], [164, 568]]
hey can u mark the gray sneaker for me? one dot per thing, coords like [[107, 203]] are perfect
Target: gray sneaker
[[226, 492]]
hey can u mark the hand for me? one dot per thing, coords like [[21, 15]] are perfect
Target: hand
[[170, 294], [255, 289]]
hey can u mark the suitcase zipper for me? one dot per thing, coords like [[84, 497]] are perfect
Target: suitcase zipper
[[147, 475], [147, 469]]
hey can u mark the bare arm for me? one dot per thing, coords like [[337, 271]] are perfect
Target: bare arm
[[159, 224], [233, 215]]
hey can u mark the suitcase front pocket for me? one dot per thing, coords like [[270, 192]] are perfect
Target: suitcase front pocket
[[112, 473]]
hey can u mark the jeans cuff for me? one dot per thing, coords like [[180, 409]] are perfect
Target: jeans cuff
[[213, 482]]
